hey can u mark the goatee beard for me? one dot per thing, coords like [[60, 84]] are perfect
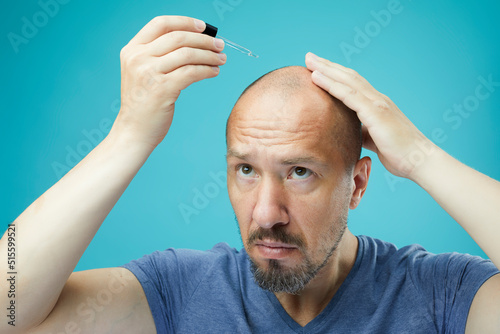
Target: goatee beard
[[278, 278]]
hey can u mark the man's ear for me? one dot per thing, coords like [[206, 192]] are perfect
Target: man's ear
[[360, 177]]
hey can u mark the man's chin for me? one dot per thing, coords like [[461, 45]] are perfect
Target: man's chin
[[278, 276], [268, 265]]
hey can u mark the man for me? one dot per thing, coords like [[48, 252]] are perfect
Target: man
[[291, 181]]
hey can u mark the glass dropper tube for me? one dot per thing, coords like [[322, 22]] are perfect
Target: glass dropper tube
[[211, 30], [238, 47]]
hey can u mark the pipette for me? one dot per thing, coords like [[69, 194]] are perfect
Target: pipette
[[210, 30]]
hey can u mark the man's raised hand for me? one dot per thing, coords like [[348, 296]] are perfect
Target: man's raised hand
[[165, 56], [386, 130]]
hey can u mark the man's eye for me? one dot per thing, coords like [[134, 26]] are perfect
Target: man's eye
[[301, 173], [246, 171]]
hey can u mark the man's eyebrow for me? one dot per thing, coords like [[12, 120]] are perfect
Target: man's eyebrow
[[302, 160], [291, 161], [236, 154]]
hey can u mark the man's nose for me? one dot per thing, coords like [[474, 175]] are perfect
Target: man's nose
[[270, 207]]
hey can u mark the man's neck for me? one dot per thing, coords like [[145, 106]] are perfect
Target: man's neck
[[305, 306]]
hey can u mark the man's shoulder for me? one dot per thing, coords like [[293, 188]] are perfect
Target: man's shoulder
[[385, 251], [219, 253], [189, 259], [425, 289], [386, 256]]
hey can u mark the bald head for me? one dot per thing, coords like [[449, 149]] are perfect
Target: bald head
[[293, 85]]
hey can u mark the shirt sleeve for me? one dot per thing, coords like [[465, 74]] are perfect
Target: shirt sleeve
[[449, 282], [168, 279]]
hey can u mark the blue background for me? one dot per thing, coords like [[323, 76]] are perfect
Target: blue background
[[66, 80]]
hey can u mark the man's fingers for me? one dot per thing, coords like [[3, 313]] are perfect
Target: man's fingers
[[368, 142], [178, 39], [161, 25], [313, 60], [352, 98], [342, 74], [186, 75], [189, 56]]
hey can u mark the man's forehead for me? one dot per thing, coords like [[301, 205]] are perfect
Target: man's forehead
[[268, 111], [277, 122], [285, 131], [287, 112]]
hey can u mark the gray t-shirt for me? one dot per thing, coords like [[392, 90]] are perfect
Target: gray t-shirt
[[387, 291]]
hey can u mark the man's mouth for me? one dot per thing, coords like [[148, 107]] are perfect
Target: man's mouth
[[274, 249], [274, 244]]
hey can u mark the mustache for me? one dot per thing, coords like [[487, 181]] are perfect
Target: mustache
[[276, 234]]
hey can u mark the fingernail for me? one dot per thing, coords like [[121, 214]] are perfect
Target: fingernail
[[219, 43], [313, 56], [200, 25], [222, 56], [318, 74], [216, 69]]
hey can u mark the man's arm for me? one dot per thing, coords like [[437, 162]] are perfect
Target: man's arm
[[56, 229], [109, 300], [166, 56], [470, 197]]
